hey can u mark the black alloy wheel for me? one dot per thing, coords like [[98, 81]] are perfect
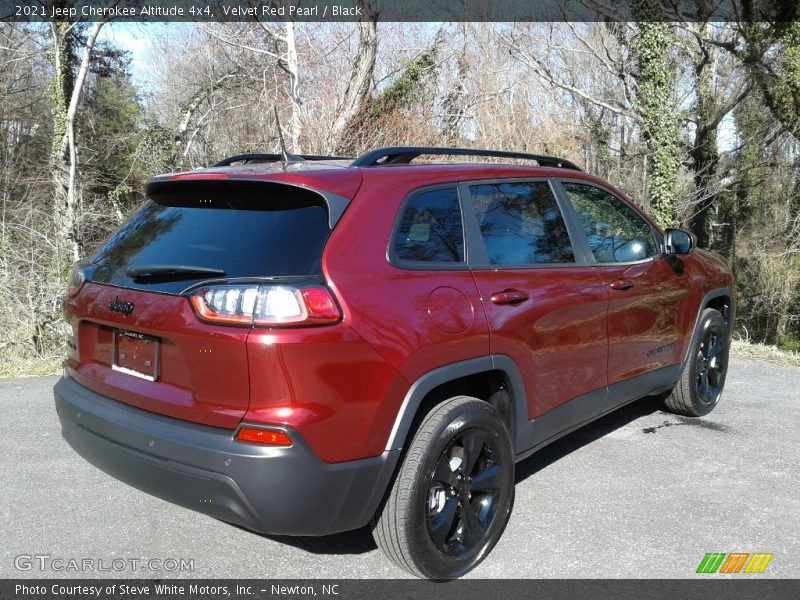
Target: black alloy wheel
[[453, 494], [702, 379], [710, 363], [464, 492]]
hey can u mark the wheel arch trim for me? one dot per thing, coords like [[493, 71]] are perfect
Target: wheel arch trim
[[708, 297], [444, 374]]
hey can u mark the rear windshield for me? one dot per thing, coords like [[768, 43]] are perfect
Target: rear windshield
[[245, 232]]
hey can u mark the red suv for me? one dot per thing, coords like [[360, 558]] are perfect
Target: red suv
[[309, 345]]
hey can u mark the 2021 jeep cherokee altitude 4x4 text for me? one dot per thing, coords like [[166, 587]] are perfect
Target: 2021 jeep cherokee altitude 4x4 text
[[309, 346]]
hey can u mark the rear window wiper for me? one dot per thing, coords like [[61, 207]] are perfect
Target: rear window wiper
[[171, 271]]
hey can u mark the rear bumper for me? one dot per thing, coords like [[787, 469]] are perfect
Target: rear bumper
[[267, 489]]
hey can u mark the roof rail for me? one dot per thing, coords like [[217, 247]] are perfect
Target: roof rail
[[394, 155], [261, 158]]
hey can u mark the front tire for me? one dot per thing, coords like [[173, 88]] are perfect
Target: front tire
[[453, 495], [698, 391]]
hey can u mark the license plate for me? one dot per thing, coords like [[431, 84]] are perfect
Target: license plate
[[135, 354]]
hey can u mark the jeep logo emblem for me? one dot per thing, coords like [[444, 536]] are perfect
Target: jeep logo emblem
[[120, 306]]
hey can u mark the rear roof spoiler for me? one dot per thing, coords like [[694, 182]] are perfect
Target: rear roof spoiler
[[161, 186]]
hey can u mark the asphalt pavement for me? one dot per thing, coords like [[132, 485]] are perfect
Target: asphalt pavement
[[640, 493]]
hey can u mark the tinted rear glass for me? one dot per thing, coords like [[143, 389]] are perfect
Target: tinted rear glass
[[242, 232], [431, 229]]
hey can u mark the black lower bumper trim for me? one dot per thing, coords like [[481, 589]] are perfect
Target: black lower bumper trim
[[272, 490]]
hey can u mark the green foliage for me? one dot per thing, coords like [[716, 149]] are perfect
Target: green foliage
[[789, 342], [408, 89], [762, 214], [787, 84], [57, 89], [768, 196], [771, 54], [155, 146], [123, 145], [383, 112], [656, 81]]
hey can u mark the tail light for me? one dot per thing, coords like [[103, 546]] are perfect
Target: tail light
[[77, 277], [265, 305]]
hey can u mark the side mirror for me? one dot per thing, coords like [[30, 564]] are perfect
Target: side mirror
[[679, 241]]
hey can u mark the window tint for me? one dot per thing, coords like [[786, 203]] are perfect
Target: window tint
[[521, 223], [616, 233], [431, 229], [244, 233]]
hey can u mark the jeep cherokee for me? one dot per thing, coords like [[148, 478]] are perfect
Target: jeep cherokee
[[309, 345]]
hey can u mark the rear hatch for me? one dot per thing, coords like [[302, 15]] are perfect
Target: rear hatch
[[136, 336]]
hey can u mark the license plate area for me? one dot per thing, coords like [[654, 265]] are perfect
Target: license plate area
[[135, 354]]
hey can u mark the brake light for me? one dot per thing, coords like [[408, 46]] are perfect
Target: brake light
[[77, 278], [265, 305], [268, 437]]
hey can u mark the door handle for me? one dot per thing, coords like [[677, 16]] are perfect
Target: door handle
[[509, 297], [621, 284]]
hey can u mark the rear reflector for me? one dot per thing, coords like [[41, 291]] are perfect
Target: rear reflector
[[268, 437], [319, 303], [265, 305]]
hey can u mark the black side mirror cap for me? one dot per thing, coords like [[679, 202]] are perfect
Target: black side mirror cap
[[679, 241]]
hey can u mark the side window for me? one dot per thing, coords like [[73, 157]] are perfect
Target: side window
[[521, 224], [616, 233], [431, 228]]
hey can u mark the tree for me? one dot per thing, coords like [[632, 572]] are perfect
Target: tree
[[625, 70], [280, 46], [359, 86], [66, 94], [369, 126], [653, 102], [120, 145], [772, 55]]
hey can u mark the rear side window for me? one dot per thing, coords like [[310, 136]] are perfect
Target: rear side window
[[521, 224], [247, 231], [615, 232], [431, 229]]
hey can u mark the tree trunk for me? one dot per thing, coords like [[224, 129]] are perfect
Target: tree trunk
[[360, 84], [183, 141], [454, 104], [65, 106], [292, 67], [655, 86], [704, 153]]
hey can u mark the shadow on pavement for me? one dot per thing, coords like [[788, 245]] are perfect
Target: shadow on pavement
[[360, 540], [587, 434], [357, 541]]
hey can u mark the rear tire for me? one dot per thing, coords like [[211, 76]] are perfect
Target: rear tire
[[454, 492], [698, 391]]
